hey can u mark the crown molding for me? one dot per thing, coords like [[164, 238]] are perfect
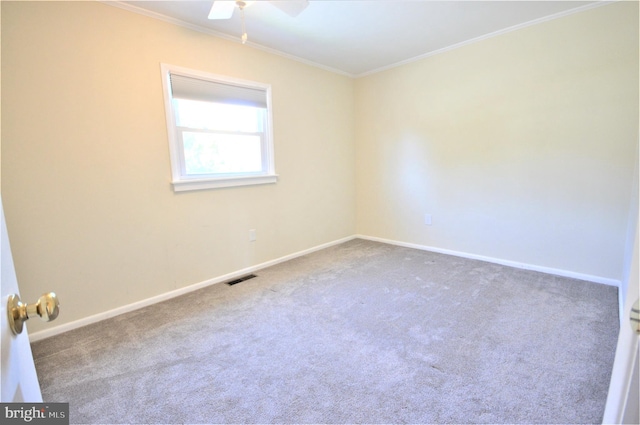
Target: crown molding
[[201, 29], [491, 35]]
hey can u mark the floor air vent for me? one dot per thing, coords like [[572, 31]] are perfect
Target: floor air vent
[[241, 279]]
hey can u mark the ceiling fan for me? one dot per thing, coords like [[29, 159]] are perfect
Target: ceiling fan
[[223, 9]]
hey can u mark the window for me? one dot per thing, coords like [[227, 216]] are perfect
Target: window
[[219, 130]]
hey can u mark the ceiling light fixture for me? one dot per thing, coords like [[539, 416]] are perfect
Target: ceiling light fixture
[[223, 9], [241, 6]]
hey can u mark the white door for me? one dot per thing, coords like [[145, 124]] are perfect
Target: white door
[[622, 402], [18, 373]]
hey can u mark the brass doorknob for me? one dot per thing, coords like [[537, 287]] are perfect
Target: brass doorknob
[[46, 307]]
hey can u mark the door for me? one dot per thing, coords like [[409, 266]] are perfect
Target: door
[[18, 373], [622, 402]]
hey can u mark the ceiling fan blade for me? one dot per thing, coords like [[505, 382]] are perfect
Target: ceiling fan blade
[[222, 9], [291, 7]]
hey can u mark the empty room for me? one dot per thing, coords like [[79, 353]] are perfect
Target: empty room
[[320, 211]]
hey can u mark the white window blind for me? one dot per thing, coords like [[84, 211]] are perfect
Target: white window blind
[[183, 87]]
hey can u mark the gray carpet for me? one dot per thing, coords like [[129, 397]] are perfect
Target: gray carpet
[[362, 332]]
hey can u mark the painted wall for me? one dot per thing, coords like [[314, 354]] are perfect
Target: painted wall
[[85, 159], [522, 146]]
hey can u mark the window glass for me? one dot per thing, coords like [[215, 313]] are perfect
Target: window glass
[[213, 153]]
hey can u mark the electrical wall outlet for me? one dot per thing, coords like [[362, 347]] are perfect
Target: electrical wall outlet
[[427, 219], [252, 235]]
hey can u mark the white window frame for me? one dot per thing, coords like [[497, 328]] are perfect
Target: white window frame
[[181, 181]]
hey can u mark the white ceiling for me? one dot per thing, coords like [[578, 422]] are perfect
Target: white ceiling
[[359, 37]]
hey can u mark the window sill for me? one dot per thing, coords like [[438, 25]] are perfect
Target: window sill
[[215, 183]]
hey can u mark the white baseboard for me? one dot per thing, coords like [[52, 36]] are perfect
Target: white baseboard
[[548, 270], [37, 336]]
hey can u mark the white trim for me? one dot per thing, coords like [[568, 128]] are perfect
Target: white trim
[[622, 398], [620, 386], [218, 34], [489, 35], [37, 336], [47, 333], [183, 182], [542, 269], [621, 303], [198, 28], [199, 184]]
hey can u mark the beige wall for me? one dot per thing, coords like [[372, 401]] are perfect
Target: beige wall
[[85, 159], [522, 146]]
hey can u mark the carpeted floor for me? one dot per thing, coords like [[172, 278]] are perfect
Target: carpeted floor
[[362, 332]]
